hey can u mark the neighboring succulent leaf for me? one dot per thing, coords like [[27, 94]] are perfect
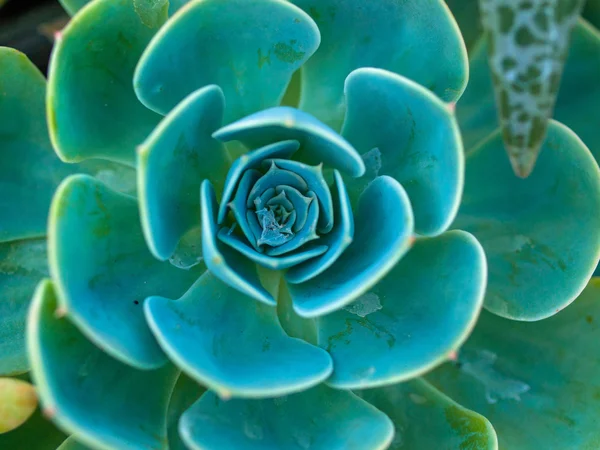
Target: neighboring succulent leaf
[[239, 349], [172, 163], [404, 131], [538, 383], [17, 403], [529, 42], [185, 393], [72, 6], [320, 419], [37, 433], [92, 108], [424, 418], [542, 229], [104, 275], [22, 265], [84, 390], [387, 34], [72, 444], [466, 13], [249, 49], [413, 319]]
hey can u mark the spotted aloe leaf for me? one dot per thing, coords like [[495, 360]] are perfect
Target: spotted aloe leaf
[[543, 371], [529, 42]]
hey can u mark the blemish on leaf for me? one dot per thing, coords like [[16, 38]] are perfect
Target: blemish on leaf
[[262, 60], [152, 13], [286, 53], [470, 428]]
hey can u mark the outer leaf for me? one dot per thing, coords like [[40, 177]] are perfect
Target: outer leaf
[[384, 225], [37, 433], [528, 47], [22, 265], [103, 269], [185, 393], [413, 319], [387, 34], [320, 419], [92, 108], [249, 49], [405, 132], [17, 403], [72, 444], [466, 13], [541, 228], [425, 418], [236, 349], [546, 372], [84, 390], [172, 163], [72, 6]]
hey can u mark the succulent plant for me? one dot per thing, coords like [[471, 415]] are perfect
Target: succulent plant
[[269, 234]]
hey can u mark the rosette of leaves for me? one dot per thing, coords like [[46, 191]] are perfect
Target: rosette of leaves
[[273, 232]]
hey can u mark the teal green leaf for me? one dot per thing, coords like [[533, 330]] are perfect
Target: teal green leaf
[[403, 131], [185, 393], [319, 144], [383, 233], [249, 49], [172, 163], [103, 269], [92, 108], [71, 444], [239, 349], [224, 262], [72, 6], [22, 265], [380, 338], [538, 382], [424, 418], [388, 34], [528, 47], [320, 419], [84, 390], [29, 169], [37, 433], [544, 227], [466, 13], [17, 403]]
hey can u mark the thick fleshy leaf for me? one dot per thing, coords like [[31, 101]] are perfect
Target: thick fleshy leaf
[[92, 108], [416, 316], [404, 131], [172, 163], [546, 372], [387, 34], [72, 444], [22, 265], [103, 269], [17, 403], [320, 419], [72, 6], [238, 349], [544, 227], [384, 227], [227, 264], [337, 240], [37, 433], [579, 92], [185, 393], [529, 42], [249, 49], [424, 418], [466, 13], [30, 171], [84, 390], [319, 144]]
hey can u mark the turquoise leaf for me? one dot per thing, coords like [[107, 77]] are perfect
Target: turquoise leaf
[[544, 227], [98, 385], [388, 34], [320, 419], [104, 275], [414, 319], [239, 349], [72, 444], [424, 418], [546, 372], [260, 43], [185, 393], [172, 163], [92, 108], [402, 130], [383, 233]]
